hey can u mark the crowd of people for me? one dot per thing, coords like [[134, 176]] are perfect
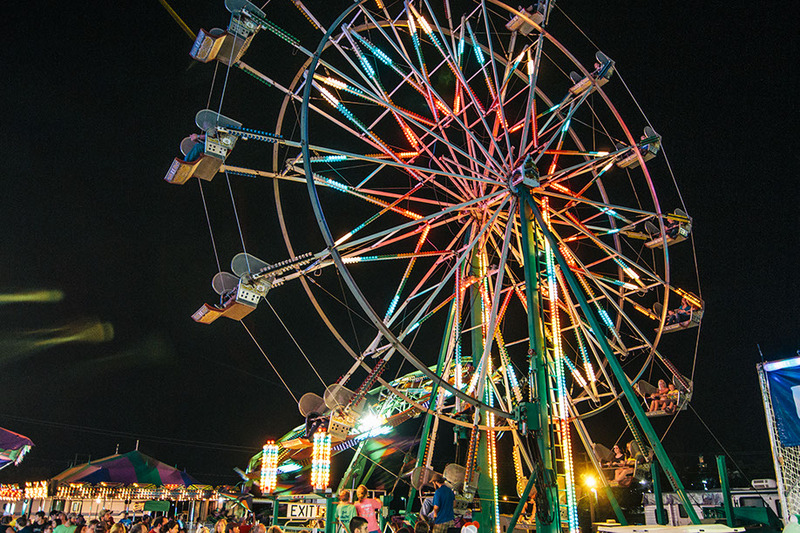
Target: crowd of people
[[62, 522], [359, 516], [436, 515]]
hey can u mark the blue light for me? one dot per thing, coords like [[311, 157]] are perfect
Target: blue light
[[606, 318]]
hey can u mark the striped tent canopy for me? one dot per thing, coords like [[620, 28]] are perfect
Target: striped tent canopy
[[126, 468], [13, 447]]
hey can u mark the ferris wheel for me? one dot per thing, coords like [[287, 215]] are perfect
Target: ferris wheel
[[490, 212]]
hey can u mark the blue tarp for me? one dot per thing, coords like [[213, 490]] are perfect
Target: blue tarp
[[784, 388]]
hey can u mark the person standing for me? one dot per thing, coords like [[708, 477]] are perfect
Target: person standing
[[126, 521], [443, 499], [107, 519], [23, 526], [67, 525], [39, 522], [367, 509], [345, 511], [157, 524]]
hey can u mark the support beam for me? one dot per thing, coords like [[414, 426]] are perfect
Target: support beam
[[614, 364], [661, 515], [539, 380], [726, 489], [522, 499], [426, 428]]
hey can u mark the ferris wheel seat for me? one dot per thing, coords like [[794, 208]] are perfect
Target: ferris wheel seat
[[678, 227], [204, 167], [649, 146], [668, 412], [631, 160], [297, 444], [220, 45], [604, 69], [693, 322], [236, 306], [229, 46], [683, 234], [520, 24], [209, 312], [523, 523], [341, 424], [216, 147], [678, 400]]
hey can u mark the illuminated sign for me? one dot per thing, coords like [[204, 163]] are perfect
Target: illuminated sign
[[304, 511]]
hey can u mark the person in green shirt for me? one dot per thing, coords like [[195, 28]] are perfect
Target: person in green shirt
[[345, 511], [67, 525]]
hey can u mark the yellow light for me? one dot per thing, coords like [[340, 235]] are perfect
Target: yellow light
[[336, 84], [590, 481], [36, 295], [321, 460], [329, 97], [425, 26], [530, 64]]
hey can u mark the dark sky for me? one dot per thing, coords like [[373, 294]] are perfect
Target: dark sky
[[96, 102]]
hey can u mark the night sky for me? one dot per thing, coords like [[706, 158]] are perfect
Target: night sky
[[96, 103]]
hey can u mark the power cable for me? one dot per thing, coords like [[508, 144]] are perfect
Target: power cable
[[116, 433]]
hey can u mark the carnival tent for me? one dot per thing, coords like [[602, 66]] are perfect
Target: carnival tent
[[127, 468], [13, 447]]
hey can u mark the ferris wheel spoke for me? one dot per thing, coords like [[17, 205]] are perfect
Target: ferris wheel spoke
[[380, 98], [295, 97], [599, 205], [407, 116], [421, 286], [447, 55], [610, 252], [434, 104], [393, 303], [342, 155], [625, 318], [493, 310], [430, 91], [452, 211], [602, 311], [498, 104], [418, 173], [529, 125], [593, 161], [578, 331], [365, 70], [463, 256], [357, 191], [374, 78]]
